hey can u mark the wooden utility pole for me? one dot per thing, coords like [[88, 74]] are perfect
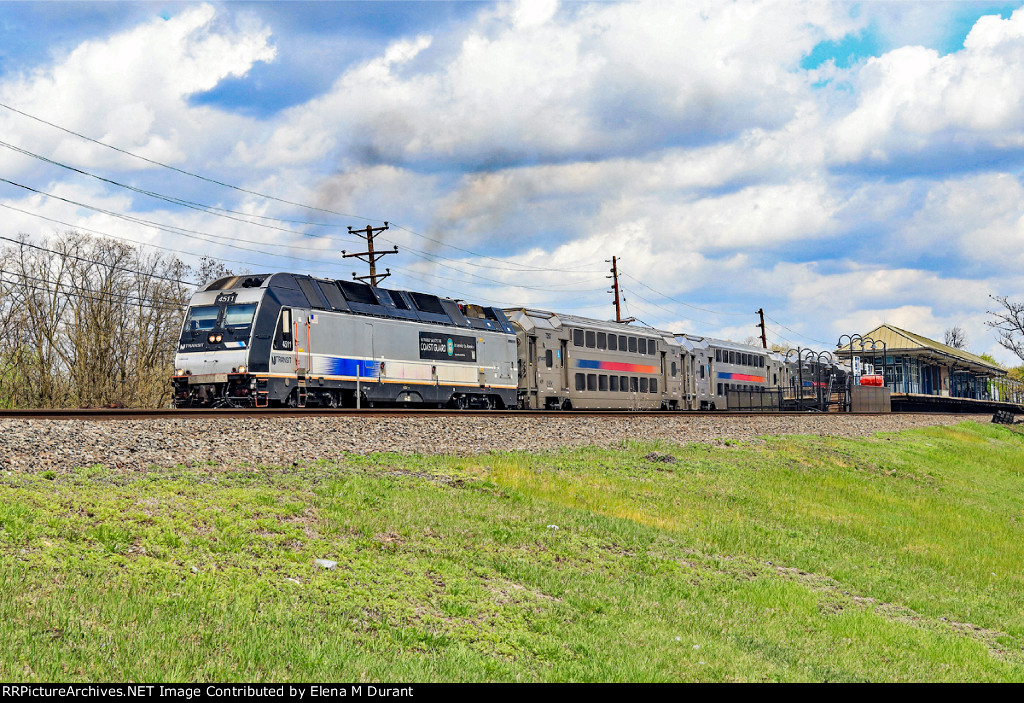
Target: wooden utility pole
[[764, 339], [615, 290], [370, 256]]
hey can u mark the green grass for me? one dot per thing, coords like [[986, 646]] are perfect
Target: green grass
[[896, 558]]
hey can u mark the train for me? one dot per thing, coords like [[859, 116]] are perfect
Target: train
[[295, 341]]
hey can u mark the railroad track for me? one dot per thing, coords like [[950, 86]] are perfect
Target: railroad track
[[198, 413]]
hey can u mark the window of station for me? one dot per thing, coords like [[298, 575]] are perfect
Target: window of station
[[549, 358], [634, 384], [602, 340], [632, 345], [624, 384], [591, 381], [643, 385], [654, 385], [591, 340], [581, 382], [577, 338], [641, 345], [602, 383], [613, 383], [612, 343], [622, 342]]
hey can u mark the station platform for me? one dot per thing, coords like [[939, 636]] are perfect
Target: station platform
[[920, 403]]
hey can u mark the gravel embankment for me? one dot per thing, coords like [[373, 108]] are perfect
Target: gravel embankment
[[62, 445]]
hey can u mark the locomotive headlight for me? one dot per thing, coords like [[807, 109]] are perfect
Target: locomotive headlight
[[179, 372], [242, 369]]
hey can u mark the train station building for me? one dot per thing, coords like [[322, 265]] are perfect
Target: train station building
[[914, 365]]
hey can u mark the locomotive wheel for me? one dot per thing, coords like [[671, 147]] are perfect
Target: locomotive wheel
[[459, 402]]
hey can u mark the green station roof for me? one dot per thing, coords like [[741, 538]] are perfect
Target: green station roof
[[900, 341]]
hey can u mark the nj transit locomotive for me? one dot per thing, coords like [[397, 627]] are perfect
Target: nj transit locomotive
[[291, 340]]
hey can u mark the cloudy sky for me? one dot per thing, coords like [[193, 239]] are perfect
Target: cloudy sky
[[838, 164]]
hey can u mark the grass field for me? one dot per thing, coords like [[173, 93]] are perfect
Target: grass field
[[895, 558]]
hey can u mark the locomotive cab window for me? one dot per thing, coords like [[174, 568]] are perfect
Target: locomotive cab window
[[202, 318], [239, 315], [283, 335]]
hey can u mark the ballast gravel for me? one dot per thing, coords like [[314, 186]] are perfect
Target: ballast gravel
[[134, 445]]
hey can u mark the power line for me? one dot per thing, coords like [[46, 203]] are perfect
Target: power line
[[271, 197], [669, 297], [151, 303], [98, 263]]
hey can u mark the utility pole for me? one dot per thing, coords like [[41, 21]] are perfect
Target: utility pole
[[615, 290], [764, 339], [370, 255]]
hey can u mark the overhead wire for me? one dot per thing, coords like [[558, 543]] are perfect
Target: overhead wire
[[271, 197]]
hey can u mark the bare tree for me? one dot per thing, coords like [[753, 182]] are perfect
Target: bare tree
[[88, 321], [1009, 324], [956, 337]]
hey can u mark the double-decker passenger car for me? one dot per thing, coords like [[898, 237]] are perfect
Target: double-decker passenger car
[[723, 366], [575, 362], [293, 340]]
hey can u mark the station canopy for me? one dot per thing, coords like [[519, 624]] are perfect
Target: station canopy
[[900, 342]]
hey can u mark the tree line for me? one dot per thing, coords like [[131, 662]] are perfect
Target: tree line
[[90, 322]]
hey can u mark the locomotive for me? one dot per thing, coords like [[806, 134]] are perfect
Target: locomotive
[[292, 340]]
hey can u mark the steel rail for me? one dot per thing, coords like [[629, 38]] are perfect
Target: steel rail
[[199, 413]]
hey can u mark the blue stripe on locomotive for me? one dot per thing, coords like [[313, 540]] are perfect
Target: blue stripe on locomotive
[[338, 366]]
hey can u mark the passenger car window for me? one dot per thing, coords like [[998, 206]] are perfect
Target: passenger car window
[[549, 358], [654, 385], [581, 382], [641, 345], [602, 383], [643, 385], [612, 345], [652, 346], [591, 381], [624, 384], [622, 342], [577, 338], [602, 340], [591, 340], [632, 345], [613, 384], [673, 369]]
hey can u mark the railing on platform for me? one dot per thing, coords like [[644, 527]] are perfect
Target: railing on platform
[[754, 400]]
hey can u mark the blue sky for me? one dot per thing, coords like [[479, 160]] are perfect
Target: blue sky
[[838, 164]]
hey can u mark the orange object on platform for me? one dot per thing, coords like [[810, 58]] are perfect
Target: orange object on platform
[[871, 380]]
